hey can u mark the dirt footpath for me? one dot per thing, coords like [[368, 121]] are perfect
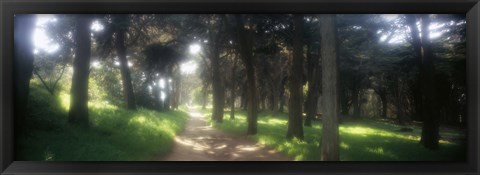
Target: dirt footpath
[[200, 142]]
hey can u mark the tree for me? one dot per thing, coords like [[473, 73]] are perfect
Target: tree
[[161, 64], [114, 38], [245, 39], [295, 125], [424, 53], [330, 137], [215, 28], [233, 86], [78, 113], [24, 26], [430, 129]]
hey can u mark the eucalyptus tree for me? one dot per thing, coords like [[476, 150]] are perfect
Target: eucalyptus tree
[[216, 27], [245, 33], [295, 124], [113, 38], [272, 35], [78, 113], [313, 66], [330, 135], [23, 27]]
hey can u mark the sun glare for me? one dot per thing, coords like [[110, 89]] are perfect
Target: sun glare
[[194, 49], [188, 67], [41, 40]]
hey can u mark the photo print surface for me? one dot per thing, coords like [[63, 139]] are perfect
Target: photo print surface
[[240, 87]]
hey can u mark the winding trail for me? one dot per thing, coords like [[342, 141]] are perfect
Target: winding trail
[[201, 142]]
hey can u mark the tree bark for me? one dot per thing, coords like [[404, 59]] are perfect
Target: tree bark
[[24, 26], [282, 96], [417, 47], [383, 96], [356, 102], [430, 129], [330, 138], [399, 103], [232, 90], [246, 43], [295, 127], [124, 70], [217, 86], [204, 96], [426, 102], [315, 74], [78, 113]]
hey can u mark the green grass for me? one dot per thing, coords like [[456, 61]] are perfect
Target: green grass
[[115, 134], [363, 140]]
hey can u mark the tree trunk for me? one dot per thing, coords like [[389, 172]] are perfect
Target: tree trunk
[[383, 97], [275, 99], [232, 90], [124, 70], [356, 103], [295, 127], [282, 97], [330, 138], [344, 102], [78, 113], [217, 86], [430, 130], [315, 74], [425, 98], [417, 47], [24, 26], [243, 102], [399, 103], [204, 96], [246, 43]]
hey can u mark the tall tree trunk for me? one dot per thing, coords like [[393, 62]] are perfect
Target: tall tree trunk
[[295, 127], [314, 77], [417, 47], [282, 96], [176, 86], [430, 130], [383, 96], [246, 43], [426, 102], [217, 85], [344, 99], [275, 99], [124, 70], [167, 92], [399, 103], [78, 113], [204, 95], [243, 102], [24, 26], [356, 102], [330, 138], [232, 90]]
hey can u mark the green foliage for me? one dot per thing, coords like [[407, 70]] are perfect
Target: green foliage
[[115, 134], [362, 140]]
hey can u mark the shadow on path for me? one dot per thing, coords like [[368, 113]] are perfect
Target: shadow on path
[[201, 142]]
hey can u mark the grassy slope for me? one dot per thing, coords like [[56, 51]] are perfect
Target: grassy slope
[[115, 133], [365, 140]]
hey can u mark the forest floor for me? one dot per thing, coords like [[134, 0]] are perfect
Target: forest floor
[[201, 142]]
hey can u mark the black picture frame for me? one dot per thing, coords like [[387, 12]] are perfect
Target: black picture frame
[[10, 7]]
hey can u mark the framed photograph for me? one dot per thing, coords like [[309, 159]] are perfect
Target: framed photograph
[[239, 87]]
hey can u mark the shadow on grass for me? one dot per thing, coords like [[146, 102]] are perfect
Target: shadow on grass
[[362, 140]]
